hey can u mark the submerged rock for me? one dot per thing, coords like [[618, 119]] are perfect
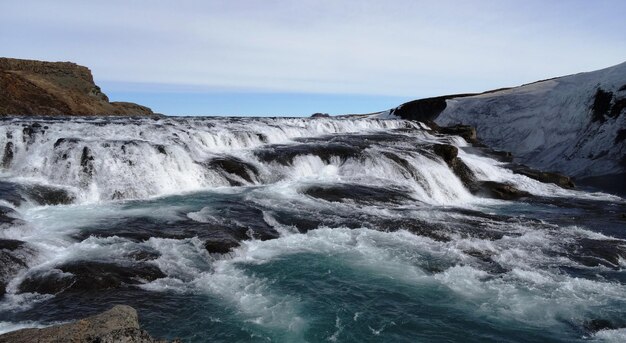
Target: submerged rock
[[89, 276], [119, 324], [233, 169], [285, 154], [15, 194], [498, 190], [12, 260], [356, 193]]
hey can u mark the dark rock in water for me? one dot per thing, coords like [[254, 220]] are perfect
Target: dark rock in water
[[7, 158], [10, 192], [449, 154], [545, 177], [161, 149], [8, 217], [229, 222], [594, 253], [10, 244], [467, 132], [46, 195], [498, 155], [39, 194], [498, 190], [12, 254], [356, 193], [89, 276], [596, 325], [232, 168], [284, 154], [220, 246], [86, 160], [119, 324]]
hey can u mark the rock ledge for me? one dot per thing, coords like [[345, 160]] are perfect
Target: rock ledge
[[119, 324]]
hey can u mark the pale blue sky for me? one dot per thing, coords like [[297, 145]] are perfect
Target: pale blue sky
[[280, 57]]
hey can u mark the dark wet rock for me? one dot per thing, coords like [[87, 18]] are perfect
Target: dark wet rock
[[545, 177], [144, 255], [220, 246], [498, 155], [284, 154], [11, 193], [89, 276], [12, 259], [10, 244], [228, 223], [449, 154], [465, 131], [233, 169], [357, 193], [594, 253], [47, 195], [40, 194], [119, 324], [7, 158], [498, 190], [9, 217], [86, 161], [161, 149], [596, 325], [486, 261]]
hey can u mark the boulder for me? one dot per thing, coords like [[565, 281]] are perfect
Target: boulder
[[119, 324]]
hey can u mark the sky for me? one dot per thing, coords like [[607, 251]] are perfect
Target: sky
[[278, 57]]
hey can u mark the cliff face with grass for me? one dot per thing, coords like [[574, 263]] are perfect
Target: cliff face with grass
[[30, 87]]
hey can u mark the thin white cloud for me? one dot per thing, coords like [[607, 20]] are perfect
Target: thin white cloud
[[359, 47]]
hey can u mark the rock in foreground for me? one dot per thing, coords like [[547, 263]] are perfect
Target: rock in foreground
[[55, 88], [118, 324]]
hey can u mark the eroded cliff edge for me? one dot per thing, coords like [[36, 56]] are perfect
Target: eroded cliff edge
[[574, 124], [29, 87]]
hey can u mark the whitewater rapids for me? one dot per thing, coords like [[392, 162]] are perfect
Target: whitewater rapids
[[285, 229]]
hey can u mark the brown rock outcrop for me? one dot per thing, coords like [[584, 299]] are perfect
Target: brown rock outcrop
[[119, 324], [30, 87]]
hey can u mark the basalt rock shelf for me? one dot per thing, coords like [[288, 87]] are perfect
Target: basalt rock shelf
[[345, 229], [117, 325]]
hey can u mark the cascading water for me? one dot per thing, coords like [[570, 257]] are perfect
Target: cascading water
[[326, 229]]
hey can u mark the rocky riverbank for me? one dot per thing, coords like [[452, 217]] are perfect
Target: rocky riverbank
[[117, 325]]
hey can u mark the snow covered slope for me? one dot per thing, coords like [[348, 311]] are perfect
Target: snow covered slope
[[574, 124]]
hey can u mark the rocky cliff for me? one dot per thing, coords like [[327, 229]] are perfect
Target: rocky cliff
[[574, 124], [30, 87]]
